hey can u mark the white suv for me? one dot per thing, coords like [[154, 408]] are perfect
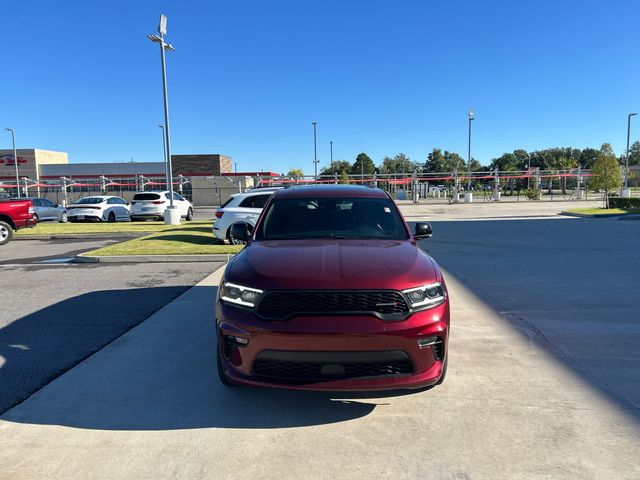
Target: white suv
[[241, 207], [151, 205]]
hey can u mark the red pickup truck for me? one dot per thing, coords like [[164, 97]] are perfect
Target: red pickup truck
[[14, 215]]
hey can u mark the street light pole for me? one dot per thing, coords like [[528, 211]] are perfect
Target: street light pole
[[15, 158], [626, 160], [469, 153], [331, 148], [315, 152], [164, 153], [162, 30]]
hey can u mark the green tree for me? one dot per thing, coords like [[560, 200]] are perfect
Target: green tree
[[344, 178], [398, 164], [587, 157], [435, 162], [443, 162], [505, 162], [295, 173], [634, 153], [363, 164], [337, 167], [605, 174]]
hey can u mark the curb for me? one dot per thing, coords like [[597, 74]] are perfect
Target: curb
[[216, 257], [589, 215], [81, 236]]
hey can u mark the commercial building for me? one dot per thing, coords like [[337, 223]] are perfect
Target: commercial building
[[206, 179], [30, 162]]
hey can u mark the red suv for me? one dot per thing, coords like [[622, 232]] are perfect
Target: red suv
[[332, 293]]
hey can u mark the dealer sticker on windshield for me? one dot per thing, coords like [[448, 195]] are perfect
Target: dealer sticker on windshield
[[387, 209]]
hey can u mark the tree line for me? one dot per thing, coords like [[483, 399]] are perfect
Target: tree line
[[555, 158]]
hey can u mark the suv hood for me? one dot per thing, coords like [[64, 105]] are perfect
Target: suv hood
[[332, 264]]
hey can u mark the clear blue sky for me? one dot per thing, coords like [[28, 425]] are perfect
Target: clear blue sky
[[248, 77]]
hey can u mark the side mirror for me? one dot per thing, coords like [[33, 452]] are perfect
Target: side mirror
[[128, 203], [241, 232], [423, 230]]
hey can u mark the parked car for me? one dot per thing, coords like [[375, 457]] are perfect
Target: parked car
[[241, 207], [14, 215], [332, 292], [151, 205], [100, 208], [45, 209]]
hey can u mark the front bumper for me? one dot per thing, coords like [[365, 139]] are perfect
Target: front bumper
[[335, 338]]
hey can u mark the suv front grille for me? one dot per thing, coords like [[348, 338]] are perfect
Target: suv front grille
[[323, 366], [283, 304]]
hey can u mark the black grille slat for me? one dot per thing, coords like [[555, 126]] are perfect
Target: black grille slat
[[312, 371], [386, 304], [438, 350]]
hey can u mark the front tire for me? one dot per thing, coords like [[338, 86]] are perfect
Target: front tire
[[189, 216], [64, 218], [6, 233], [234, 241]]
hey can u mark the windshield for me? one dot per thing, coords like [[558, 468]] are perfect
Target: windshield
[[332, 217], [89, 201]]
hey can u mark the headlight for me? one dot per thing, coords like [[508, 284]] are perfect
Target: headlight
[[426, 296], [245, 296]]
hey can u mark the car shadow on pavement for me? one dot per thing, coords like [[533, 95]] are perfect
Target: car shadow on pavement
[[41, 346], [567, 287], [162, 376], [176, 237]]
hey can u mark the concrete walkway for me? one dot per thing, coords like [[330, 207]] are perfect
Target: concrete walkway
[[479, 210], [149, 406]]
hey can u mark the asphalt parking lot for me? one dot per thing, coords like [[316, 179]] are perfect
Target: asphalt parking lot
[[55, 314], [543, 382]]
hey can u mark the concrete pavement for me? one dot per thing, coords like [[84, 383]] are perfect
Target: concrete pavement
[[490, 210], [52, 316], [149, 406]]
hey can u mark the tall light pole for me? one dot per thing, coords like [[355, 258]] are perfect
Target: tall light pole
[[331, 149], [626, 160], [15, 158], [164, 153], [471, 113], [162, 30], [315, 152]]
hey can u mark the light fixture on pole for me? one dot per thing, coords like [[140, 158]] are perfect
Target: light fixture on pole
[[315, 151], [15, 158], [164, 153], [170, 217], [626, 160]]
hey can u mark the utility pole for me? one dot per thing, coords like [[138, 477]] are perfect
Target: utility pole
[[164, 157], [15, 158], [170, 217], [315, 151], [331, 148], [626, 161], [468, 196]]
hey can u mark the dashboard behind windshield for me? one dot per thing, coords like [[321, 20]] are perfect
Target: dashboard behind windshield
[[332, 217]]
